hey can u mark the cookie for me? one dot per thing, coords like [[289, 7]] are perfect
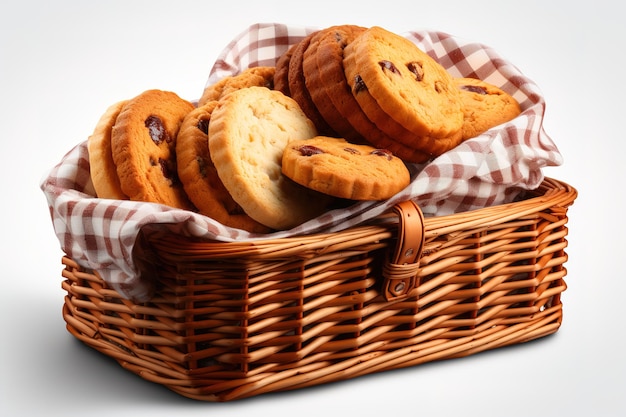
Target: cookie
[[407, 84], [298, 89], [484, 106], [281, 72], [248, 133], [199, 176], [431, 146], [143, 143], [326, 49], [255, 76], [342, 169], [102, 167], [330, 81]]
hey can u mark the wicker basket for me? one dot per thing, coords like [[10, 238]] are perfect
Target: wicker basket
[[234, 320]]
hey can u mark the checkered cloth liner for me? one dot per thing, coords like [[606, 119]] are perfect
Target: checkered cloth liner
[[487, 170]]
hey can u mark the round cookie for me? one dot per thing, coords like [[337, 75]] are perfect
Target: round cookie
[[330, 81], [297, 85], [432, 146], [329, 42], [484, 106], [406, 83], [342, 169], [281, 73], [199, 176], [101, 165], [254, 76], [143, 142], [248, 133]]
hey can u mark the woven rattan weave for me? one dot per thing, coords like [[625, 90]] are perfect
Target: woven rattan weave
[[234, 320]]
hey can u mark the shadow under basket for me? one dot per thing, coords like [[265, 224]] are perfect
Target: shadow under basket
[[235, 320]]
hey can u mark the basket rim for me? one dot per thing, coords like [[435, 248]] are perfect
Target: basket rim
[[551, 193]]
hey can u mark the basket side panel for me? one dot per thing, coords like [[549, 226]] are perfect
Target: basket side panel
[[223, 327]]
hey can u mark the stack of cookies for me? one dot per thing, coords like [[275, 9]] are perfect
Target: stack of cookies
[[374, 85], [335, 120]]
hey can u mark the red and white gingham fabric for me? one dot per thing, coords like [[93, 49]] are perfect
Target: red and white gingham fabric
[[486, 170]]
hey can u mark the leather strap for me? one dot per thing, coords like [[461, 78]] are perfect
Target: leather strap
[[401, 269]]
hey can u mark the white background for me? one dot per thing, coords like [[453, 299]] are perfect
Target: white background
[[63, 63]]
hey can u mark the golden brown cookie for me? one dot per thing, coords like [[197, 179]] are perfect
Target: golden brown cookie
[[329, 83], [342, 169], [325, 51], [248, 133], [298, 89], [484, 106], [428, 145], [255, 76], [409, 86], [199, 176], [281, 73], [102, 167], [143, 142]]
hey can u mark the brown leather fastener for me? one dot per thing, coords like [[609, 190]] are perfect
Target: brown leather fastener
[[401, 269]]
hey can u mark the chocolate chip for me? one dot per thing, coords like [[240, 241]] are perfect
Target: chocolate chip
[[165, 169], [309, 150], [417, 69], [203, 125], [359, 84], [156, 130], [474, 89], [389, 66], [352, 151], [168, 169], [383, 152]]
